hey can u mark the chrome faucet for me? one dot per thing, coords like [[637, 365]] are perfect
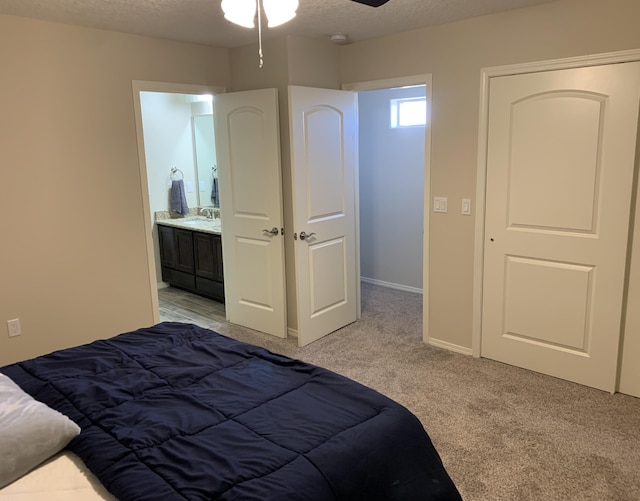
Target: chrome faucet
[[208, 212]]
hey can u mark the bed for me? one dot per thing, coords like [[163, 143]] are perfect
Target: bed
[[179, 412]]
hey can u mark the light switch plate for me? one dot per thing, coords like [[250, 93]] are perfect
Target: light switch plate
[[439, 204], [466, 206]]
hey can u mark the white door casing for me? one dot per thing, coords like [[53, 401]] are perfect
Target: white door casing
[[249, 172], [560, 162], [323, 129]]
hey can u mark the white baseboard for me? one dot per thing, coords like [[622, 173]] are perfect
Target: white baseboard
[[391, 285], [163, 285], [292, 332], [450, 346]]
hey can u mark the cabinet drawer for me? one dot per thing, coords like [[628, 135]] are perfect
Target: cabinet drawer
[[210, 288], [178, 278]]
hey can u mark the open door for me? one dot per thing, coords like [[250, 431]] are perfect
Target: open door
[[248, 149], [323, 129]]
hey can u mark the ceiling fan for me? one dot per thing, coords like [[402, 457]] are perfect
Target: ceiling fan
[[243, 13], [372, 3]]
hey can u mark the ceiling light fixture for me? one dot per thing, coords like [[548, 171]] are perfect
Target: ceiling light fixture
[[243, 13]]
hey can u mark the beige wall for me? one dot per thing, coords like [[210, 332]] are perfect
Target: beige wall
[[74, 262], [454, 53]]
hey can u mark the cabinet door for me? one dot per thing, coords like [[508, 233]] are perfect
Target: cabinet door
[[184, 251], [203, 247], [218, 274], [167, 246]]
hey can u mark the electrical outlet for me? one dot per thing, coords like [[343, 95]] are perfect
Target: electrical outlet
[[14, 327]]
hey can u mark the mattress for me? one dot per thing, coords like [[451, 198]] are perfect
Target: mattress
[[64, 477]]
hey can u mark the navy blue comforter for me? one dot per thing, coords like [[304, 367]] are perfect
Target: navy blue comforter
[[177, 412]]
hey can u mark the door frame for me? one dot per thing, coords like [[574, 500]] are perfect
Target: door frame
[[167, 88], [391, 83], [486, 74]]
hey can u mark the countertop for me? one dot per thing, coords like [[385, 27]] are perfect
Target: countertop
[[194, 223]]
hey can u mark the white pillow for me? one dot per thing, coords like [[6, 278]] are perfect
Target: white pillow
[[30, 431]]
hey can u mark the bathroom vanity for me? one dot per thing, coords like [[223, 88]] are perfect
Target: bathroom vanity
[[191, 255]]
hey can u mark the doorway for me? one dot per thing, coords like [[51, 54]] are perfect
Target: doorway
[[167, 89], [394, 184]]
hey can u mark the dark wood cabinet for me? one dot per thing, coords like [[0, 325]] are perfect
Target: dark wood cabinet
[[192, 260], [184, 250]]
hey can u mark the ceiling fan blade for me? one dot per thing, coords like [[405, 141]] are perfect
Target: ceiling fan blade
[[372, 3]]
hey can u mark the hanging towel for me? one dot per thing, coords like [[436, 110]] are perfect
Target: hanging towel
[[178, 198], [214, 193]]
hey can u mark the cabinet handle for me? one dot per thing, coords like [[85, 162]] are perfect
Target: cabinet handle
[[273, 231], [304, 236]]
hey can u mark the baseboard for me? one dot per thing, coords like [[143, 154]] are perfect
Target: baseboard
[[450, 346], [163, 285], [292, 332], [391, 285]]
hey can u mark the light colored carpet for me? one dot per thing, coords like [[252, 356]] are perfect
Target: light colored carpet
[[503, 433]]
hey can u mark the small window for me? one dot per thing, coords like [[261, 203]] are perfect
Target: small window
[[408, 112]]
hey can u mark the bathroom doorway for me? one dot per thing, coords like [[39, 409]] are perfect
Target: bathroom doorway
[[168, 111]]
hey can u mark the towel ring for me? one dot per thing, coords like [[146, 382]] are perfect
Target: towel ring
[[174, 173]]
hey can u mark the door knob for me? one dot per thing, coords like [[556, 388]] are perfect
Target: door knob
[[304, 236], [273, 231]]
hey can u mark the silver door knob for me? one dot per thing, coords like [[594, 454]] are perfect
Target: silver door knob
[[273, 231], [304, 236]]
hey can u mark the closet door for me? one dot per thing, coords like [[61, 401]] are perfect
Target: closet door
[[560, 165], [248, 153]]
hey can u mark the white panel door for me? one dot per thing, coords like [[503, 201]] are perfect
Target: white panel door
[[323, 166], [248, 149], [560, 164]]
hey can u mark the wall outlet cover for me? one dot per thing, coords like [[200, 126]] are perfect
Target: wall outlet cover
[[439, 204]]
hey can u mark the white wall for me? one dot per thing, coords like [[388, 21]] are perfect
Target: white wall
[[391, 192], [168, 142]]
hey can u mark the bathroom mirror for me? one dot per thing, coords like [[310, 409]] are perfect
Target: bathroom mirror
[[204, 146]]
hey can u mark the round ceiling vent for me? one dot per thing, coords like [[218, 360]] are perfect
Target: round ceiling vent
[[340, 39]]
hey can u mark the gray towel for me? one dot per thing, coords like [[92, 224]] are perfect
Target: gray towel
[[214, 193], [178, 198]]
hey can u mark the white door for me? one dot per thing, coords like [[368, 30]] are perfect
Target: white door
[[248, 149], [323, 129], [560, 163]]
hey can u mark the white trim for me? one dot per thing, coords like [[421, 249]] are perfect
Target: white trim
[[391, 285], [292, 332], [485, 77], [172, 88], [389, 83], [450, 346], [425, 79]]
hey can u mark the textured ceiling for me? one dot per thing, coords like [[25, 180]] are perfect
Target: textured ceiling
[[201, 21]]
